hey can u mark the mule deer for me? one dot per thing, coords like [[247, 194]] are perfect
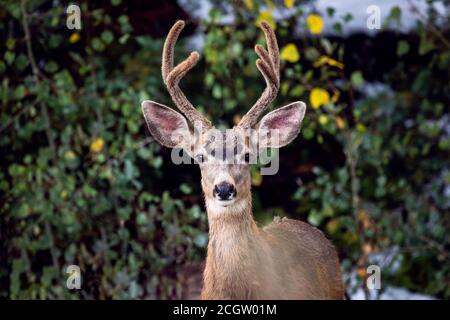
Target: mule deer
[[287, 259]]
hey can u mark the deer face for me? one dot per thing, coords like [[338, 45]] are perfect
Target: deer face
[[223, 156]]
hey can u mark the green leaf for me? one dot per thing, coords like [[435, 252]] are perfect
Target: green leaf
[[2, 66], [157, 162], [425, 46], [298, 90], [308, 133], [10, 43], [315, 218], [19, 92], [217, 91], [23, 211], [55, 40], [124, 38], [312, 54], [130, 170], [144, 153], [348, 17], [337, 27], [357, 79], [331, 11], [402, 48], [142, 219], [395, 14], [51, 67], [185, 188], [21, 62], [97, 44], [201, 240], [9, 57], [107, 36]]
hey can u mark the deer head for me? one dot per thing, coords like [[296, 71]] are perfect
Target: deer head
[[223, 157]]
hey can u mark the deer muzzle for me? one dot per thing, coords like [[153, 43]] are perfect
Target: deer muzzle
[[224, 191]]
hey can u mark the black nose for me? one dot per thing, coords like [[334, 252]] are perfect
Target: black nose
[[224, 190]]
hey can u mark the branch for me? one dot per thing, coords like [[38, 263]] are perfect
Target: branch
[[425, 21], [36, 75]]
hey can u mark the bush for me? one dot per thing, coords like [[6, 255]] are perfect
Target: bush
[[83, 183]]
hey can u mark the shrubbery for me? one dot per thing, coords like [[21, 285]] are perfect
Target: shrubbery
[[83, 183]]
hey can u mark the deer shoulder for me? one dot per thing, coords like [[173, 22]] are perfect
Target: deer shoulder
[[307, 256]]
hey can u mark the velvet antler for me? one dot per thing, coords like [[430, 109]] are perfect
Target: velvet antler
[[172, 76], [269, 65]]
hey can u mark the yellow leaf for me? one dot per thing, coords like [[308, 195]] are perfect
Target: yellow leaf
[[323, 119], [327, 60], [319, 97], [340, 123], [97, 145], [333, 226], [69, 155], [63, 194], [249, 4], [289, 3], [367, 248], [74, 37], [336, 95], [236, 119], [270, 4], [285, 88], [256, 178], [315, 23], [360, 127], [290, 53], [266, 16], [361, 271]]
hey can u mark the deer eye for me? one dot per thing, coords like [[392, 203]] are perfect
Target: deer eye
[[200, 158], [247, 157]]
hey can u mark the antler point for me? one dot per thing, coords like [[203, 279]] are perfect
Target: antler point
[[265, 24]]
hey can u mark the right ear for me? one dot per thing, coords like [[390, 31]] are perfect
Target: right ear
[[167, 126]]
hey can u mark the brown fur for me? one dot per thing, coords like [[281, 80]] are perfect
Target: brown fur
[[287, 259]]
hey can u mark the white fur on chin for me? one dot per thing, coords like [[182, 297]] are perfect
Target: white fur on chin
[[217, 208]]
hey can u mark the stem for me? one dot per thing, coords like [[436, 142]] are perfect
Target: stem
[[45, 113], [352, 163], [36, 76], [433, 29]]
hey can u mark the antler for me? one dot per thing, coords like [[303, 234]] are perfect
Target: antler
[[172, 76], [269, 65]]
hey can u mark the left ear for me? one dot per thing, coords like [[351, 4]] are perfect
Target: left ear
[[279, 127], [167, 126]]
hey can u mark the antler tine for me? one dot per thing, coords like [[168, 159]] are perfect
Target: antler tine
[[172, 76], [269, 66]]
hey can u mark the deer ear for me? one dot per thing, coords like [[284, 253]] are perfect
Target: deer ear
[[167, 126], [279, 127]]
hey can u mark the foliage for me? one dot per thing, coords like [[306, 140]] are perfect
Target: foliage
[[83, 183]]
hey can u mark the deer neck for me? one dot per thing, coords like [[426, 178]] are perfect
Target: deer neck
[[232, 233], [233, 223], [232, 252]]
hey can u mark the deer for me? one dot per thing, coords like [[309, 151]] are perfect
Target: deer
[[287, 259]]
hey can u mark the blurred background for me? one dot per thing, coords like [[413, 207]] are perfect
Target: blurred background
[[83, 183]]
